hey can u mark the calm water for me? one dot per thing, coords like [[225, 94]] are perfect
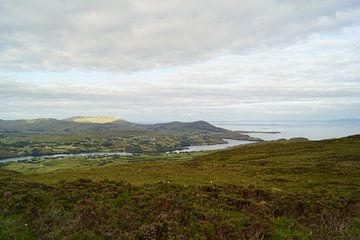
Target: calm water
[[230, 143], [310, 130], [69, 155]]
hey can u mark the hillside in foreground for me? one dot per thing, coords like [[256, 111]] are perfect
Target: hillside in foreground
[[270, 190]]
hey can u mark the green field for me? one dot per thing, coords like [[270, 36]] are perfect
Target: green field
[[269, 190]]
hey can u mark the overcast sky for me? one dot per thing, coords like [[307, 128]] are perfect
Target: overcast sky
[[155, 60]]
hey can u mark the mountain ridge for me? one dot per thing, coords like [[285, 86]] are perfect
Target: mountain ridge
[[52, 125]]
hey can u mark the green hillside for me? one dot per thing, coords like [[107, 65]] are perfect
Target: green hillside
[[197, 126], [271, 190]]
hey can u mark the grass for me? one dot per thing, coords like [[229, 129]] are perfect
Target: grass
[[275, 190]]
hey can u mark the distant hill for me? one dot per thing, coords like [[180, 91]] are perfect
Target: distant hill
[[38, 125], [100, 119], [52, 136], [197, 126], [71, 125], [110, 124]]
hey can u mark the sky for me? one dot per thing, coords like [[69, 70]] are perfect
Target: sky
[[154, 61]]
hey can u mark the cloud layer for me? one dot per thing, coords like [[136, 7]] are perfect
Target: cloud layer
[[306, 80], [180, 60], [135, 35]]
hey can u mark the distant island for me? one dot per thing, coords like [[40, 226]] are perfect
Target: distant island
[[267, 132]]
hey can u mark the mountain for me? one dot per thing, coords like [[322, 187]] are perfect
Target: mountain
[[70, 125], [103, 124], [197, 126], [38, 125]]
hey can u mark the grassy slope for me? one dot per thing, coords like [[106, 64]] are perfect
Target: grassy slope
[[277, 190]]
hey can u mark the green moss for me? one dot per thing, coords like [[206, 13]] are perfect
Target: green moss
[[285, 228], [14, 227]]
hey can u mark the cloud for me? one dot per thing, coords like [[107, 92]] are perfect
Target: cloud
[[317, 77], [180, 60], [141, 35]]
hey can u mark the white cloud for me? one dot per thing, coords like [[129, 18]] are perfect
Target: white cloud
[[198, 59], [316, 77], [133, 35]]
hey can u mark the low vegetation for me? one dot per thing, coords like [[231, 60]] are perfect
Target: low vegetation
[[276, 190]]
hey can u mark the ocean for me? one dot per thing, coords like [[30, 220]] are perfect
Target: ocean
[[311, 130]]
